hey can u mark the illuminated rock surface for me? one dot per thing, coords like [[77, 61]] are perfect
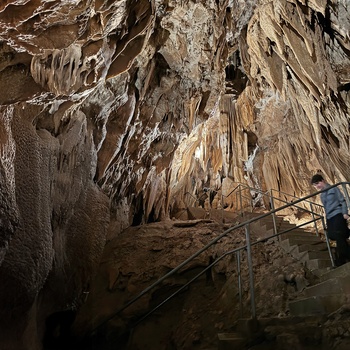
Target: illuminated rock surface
[[120, 113]]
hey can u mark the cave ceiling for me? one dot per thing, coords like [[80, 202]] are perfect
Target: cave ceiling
[[112, 112]]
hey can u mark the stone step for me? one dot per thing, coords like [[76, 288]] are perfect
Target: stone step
[[281, 225], [266, 219], [291, 244], [312, 254], [320, 272], [340, 271], [266, 333], [315, 246], [295, 234], [303, 245], [295, 251], [313, 320], [331, 286], [316, 264], [247, 326], [298, 239], [248, 216], [305, 336], [224, 216], [311, 251], [286, 224], [317, 304], [298, 234], [229, 341]]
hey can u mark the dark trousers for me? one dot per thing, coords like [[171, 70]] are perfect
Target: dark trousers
[[337, 230]]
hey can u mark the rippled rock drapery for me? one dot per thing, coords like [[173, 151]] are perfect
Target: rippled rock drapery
[[103, 124], [301, 56], [296, 107], [94, 103]]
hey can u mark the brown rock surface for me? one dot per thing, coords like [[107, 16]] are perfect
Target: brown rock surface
[[205, 308], [120, 113]]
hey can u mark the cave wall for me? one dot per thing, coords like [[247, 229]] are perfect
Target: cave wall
[[291, 119], [116, 113], [299, 65]]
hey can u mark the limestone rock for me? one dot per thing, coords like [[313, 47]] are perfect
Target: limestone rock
[[117, 113]]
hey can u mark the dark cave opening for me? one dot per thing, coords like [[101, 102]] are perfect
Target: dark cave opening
[[329, 137]]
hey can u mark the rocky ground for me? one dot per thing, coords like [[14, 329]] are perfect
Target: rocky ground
[[192, 319]]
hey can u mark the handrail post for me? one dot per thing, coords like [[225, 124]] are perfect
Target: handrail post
[[238, 257], [236, 202], [250, 266], [273, 216], [240, 200], [252, 204], [313, 217], [327, 242], [222, 206]]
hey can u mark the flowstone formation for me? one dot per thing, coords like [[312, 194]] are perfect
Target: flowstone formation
[[120, 113]]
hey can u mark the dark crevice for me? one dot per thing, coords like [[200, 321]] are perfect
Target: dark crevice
[[139, 212], [329, 137], [236, 80]]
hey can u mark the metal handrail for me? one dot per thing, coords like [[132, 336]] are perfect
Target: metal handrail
[[239, 184], [245, 224], [216, 261], [271, 200], [241, 187], [292, 195], [266, 193], [285, 201]]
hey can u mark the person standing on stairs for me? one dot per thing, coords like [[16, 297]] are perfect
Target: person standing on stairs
[[336, 211]]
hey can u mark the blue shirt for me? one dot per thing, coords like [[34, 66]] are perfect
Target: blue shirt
[[334, 202]]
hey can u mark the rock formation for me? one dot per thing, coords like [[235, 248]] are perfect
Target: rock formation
[[119, 113]]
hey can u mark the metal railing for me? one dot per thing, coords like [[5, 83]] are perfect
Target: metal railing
[[272, 201], [246, 225]]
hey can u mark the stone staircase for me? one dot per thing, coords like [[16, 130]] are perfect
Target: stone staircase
[[302, 244], [303, 328], [330, 294]]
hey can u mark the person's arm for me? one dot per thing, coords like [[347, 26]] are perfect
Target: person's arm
[[342, 202]]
